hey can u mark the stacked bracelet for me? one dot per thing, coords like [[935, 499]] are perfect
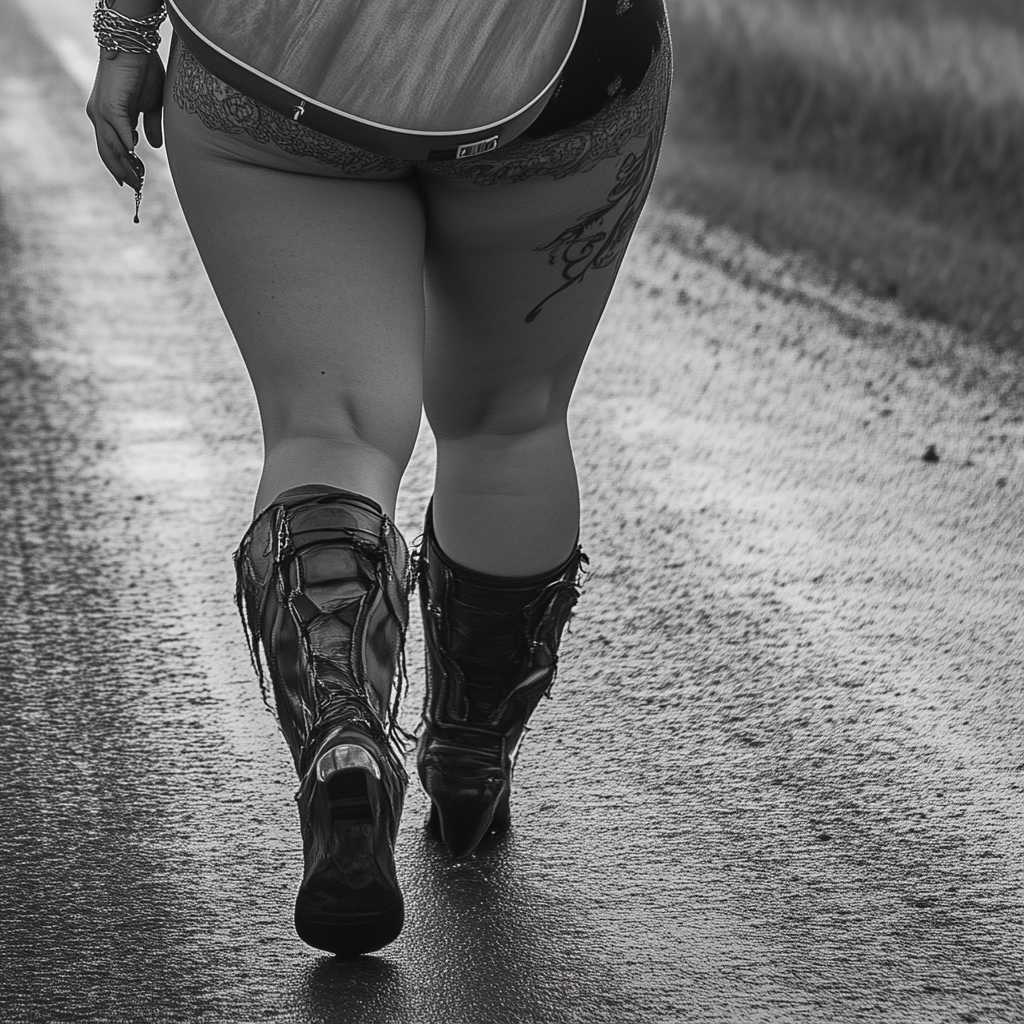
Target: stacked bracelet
[[116, 31]]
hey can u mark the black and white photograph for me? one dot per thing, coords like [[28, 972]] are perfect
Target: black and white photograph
[[512, 512]]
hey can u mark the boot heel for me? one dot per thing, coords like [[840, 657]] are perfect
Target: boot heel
[[462, 833], [502, 820]]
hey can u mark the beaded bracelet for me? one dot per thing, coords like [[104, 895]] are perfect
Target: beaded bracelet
[[116, 31]]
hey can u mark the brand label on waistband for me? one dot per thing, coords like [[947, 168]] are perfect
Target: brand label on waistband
[[476, 148]]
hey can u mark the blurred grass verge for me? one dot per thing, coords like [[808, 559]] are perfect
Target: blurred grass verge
[[884, 136]]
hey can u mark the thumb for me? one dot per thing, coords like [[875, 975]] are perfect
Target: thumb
[[152, 126]]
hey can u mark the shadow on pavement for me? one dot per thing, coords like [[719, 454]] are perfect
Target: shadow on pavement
[[482, 943]]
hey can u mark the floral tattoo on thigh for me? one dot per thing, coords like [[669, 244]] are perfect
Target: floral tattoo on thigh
[[630, 128], [599, 238]]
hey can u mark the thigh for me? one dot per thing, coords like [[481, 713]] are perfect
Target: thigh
[[320, 276], [522, 251]]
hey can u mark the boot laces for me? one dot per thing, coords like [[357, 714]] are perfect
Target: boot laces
[[348, 707]]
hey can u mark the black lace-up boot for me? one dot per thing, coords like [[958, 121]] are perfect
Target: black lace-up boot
[[492, 651], [323, 589]]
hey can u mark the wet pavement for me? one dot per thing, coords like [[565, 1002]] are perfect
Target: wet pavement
[[781, 776]]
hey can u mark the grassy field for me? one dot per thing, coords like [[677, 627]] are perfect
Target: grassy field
[[918, 104]]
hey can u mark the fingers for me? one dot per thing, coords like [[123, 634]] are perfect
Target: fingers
[[114, 139], [116, 156]]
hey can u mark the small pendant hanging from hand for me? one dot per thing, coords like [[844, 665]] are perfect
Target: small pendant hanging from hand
[[140, 170]]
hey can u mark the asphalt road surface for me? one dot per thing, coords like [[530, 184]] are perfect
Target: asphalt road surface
[[781, 776]]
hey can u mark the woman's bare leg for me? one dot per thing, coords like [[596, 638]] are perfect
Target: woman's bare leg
[[321, 280], [520, 264]]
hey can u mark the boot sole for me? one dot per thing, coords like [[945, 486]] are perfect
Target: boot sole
[[350, 902]]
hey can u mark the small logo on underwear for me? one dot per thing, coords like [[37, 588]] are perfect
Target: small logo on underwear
[[476, 148]]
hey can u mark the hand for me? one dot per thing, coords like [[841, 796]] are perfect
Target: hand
[[127, 84]]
